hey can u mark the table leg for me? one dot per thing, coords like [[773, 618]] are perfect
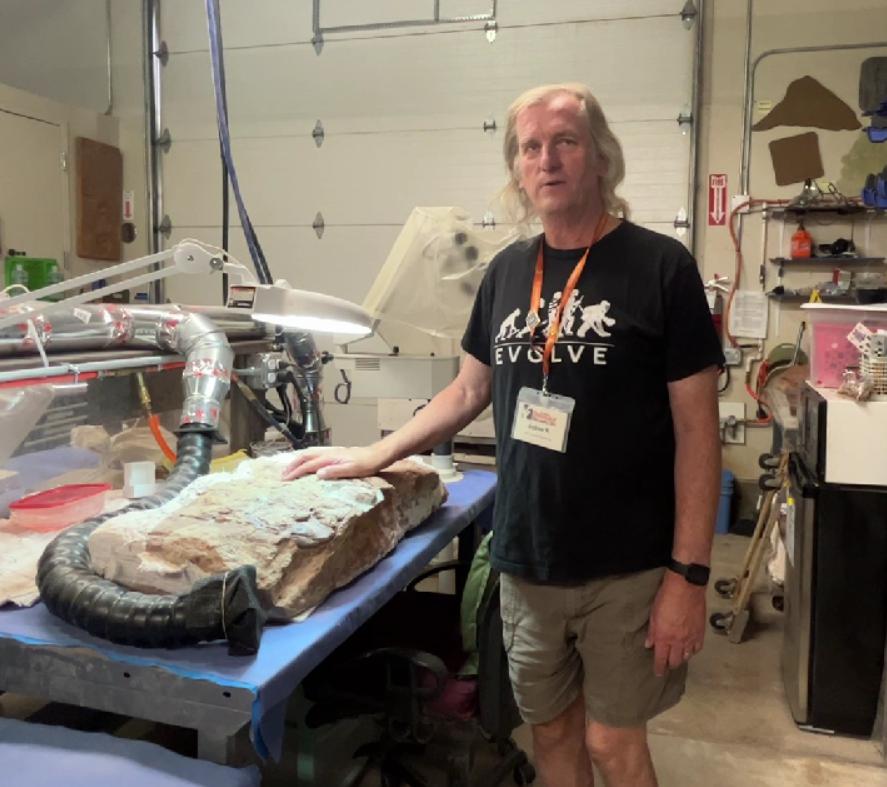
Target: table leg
[[216, 747], [467, 544]]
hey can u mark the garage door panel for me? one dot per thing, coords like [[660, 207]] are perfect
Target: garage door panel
[[523, 13], [344, 262], [350, 180], [184, 28], [459, 76]]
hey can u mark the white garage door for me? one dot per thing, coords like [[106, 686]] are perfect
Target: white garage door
[[403, 104], [403, 108]]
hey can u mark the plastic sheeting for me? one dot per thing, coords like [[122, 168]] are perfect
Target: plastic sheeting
[[20, 409], [426, 288]]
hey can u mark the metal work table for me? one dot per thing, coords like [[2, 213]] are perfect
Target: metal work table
[[203, 687]]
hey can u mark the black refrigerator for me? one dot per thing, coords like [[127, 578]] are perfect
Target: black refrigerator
[[835, 601]]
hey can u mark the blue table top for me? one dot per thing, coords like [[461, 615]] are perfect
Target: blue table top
[[287, 653], [39, 755]]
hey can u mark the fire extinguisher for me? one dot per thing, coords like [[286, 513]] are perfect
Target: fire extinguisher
[[716, 304], [714, 290]]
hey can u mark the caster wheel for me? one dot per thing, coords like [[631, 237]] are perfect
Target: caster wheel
[[720, 621], [524, 774], [769, 483], [778, 603], [725, 588]]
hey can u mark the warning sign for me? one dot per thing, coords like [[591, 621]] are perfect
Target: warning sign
[[717, 200]]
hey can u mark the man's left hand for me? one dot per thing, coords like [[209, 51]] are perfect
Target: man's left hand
[[677, 623]]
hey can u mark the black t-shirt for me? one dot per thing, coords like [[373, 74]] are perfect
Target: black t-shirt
[[638, 320]]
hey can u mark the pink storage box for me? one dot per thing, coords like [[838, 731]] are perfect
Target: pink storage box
[[831, 353], [57, 508], [830, 350]]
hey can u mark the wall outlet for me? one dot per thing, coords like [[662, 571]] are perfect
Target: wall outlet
[[732, 421], [733, 356]]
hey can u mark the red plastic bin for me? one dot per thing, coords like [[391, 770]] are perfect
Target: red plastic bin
[[54, 509]]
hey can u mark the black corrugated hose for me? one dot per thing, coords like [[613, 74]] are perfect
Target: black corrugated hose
[[226, 606]]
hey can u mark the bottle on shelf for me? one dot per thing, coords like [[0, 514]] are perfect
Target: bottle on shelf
[[19, 275], [802, 244], [53, 274]]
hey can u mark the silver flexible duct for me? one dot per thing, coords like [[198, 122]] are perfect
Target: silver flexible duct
[[208, 356], [104, 326], [208, 360], [198, 329]]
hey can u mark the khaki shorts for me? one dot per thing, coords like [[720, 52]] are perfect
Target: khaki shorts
[[589, 640]]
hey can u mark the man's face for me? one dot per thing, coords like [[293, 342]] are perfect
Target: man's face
[[556, 164]]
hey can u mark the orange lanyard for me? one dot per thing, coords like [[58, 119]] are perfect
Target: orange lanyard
[[554, 326]]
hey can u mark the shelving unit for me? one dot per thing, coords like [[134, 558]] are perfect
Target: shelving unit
[[819, 216], [817, 260], [850, 209], [791, 297]]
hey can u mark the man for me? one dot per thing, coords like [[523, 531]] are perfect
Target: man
[[605, 405]]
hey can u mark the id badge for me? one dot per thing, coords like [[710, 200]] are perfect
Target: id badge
[[543, 420]]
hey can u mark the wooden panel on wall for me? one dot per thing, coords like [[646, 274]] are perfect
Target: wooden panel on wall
[[99, 200]]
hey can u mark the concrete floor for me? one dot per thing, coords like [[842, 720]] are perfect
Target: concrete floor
[[732, 728]]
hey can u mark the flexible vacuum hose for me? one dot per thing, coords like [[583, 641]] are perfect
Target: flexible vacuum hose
[[224, 606]]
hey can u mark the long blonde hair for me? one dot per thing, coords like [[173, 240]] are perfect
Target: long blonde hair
[[603, 140]]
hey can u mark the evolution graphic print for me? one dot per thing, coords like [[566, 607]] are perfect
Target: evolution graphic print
[[582, 327]]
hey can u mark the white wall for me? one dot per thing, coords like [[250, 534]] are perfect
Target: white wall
[[53, 70], [777, 24], [33, 230], [127, 74], [57, 50]]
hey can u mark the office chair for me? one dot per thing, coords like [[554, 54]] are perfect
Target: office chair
[[402, 667]]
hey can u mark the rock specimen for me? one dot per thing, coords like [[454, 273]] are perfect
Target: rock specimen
[[305, 537]]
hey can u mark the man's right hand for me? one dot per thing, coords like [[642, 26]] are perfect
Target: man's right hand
[[334, 463]]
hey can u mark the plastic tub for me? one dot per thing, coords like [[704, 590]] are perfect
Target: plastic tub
[[724, 504], [57, 508], [830, 350]]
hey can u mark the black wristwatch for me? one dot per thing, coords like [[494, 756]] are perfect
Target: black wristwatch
[[694, 573]]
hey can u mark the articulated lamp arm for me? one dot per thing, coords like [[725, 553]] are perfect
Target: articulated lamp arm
[[184, 257], [277, 304]]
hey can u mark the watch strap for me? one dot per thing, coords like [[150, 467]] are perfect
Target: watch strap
[[694, 573]]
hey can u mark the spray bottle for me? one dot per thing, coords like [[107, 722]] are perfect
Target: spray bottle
[[802, 244]]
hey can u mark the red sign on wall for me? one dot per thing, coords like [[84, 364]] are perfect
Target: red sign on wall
[[717, 200]]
